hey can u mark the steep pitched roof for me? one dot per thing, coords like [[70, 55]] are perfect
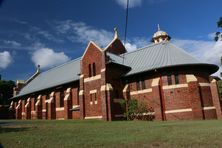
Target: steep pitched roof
[[62, 74], [151, 57]]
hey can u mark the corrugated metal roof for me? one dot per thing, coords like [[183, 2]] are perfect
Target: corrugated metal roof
[[156, 56], [117, 59], [62, 74], [152, 57]]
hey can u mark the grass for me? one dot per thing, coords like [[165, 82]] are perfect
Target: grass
[[91, 133]]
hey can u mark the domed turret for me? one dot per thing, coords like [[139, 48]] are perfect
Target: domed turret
[[160, 36]]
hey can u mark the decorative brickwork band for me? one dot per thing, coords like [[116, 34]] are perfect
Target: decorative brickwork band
[[28, 109], [51, 106], [38, 107], [67, 104], [19, 110]]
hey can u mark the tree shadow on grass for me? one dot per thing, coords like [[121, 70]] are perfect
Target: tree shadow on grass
[[1, 146], [5, 129]]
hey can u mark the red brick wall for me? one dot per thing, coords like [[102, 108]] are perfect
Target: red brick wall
[[92, 55], [178, 98]]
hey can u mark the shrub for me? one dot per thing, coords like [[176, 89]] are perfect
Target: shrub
[[135, 110]]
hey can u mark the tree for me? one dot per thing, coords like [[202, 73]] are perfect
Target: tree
[[218, 35], [6, 91]]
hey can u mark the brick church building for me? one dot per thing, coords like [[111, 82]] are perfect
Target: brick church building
[[165, 77]]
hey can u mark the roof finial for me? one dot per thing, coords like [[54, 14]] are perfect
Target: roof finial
[[158, 27], [116, 35], [38, 68]]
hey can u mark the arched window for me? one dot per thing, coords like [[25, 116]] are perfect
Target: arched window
[[62, 98], [169, 79], [94, 69], [90, 72], [177, 80]]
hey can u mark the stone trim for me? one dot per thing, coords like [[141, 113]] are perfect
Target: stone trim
[[91, 42], [75, 106], [33, 112], [23, 113], [89, 79], [94, 117], [155, 82], [141, 91], [213, 81], [44, 110], [93, 91], [107, 87], [81, 92], [104, 69], [51, 98], [38, 100], [175, 86], [59, 108], [178, 111], [81, 76], [19, 104], [68, 90], [204, 84], [60, 119], [125, 88], [11, 105], [91, 102], [27, 104], [67, 96], [95, 102], [209, 108], [191, 78]]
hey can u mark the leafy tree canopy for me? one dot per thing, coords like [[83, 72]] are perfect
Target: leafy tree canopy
[[219, 23], [218, 35], [6, 91]]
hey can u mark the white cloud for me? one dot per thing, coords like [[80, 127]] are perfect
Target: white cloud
[[83, 33], [5, 59], [211, 36], [12, 43], [36, 31], [206, 51], [130, 47], [132, 3], [80, 32], [46, 57], [136, 43]]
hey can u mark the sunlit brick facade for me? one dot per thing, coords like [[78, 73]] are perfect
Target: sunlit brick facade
[[175, 92]]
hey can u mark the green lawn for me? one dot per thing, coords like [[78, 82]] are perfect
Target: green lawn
[[91, 133]]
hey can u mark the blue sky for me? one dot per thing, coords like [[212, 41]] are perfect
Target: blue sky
[[51, 32]]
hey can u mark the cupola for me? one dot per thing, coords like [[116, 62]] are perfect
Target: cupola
[[160, 36]]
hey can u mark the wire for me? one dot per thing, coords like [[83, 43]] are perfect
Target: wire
[[126, 23]]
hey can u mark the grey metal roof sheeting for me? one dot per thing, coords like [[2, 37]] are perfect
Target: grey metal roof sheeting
[[152, 57], [159, 55], [62, 74], [116, 59]]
